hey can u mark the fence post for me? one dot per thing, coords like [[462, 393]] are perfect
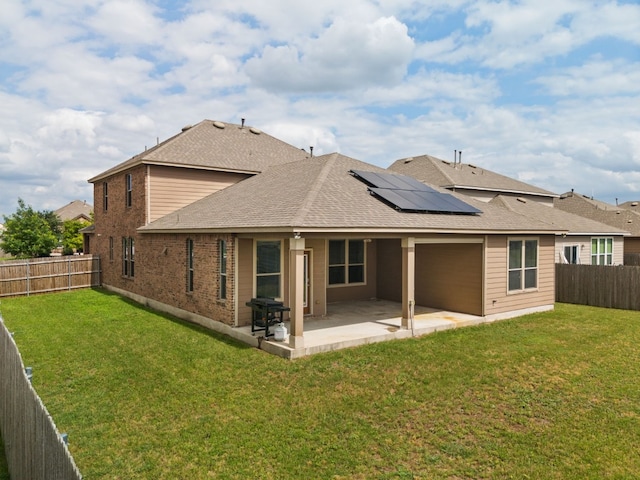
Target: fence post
[[28, 280]]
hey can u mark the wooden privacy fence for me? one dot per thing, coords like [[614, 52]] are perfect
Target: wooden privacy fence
[[32, 444], [50, 274], [599, 285]]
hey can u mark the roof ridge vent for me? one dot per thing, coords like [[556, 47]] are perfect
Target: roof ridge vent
[[186, 127], [219, 125]]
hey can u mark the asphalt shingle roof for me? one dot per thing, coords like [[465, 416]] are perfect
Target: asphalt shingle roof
[[75, 209], [215, 145], [445, 174], [599, 211], [574, 224], [319, 194]]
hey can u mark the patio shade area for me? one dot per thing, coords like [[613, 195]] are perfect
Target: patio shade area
[[350, 324]]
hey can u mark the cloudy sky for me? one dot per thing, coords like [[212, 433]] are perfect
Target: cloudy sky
[[544, 91]]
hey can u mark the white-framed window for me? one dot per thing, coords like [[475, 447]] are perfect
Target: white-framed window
[[523, 264], [346, 262], [190, 265], [128, 257], [222, 251], [268, 268], [128, 181], [602, 251], [571, 254]]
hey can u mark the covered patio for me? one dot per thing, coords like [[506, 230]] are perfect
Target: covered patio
[[350, 324]]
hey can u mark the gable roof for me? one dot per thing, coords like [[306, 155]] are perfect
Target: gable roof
[[599, 211], [321, 195], [451, 175], [75, 210], [633, 205], [574, 224], [214, 145]]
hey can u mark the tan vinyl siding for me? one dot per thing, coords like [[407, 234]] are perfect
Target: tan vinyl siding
[[173, 188], [318, 276], [389, 280], [449, 276], [245, 279], [497, 298]]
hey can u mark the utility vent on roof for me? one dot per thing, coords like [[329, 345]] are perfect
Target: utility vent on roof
[[634, 204], [408, 160], [523, 200], [406, 194], [219, 125], [255, 130], [186, 127]]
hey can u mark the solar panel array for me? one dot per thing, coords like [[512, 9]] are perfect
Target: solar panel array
[[409, 195]]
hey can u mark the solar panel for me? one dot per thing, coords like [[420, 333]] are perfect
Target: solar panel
[[408, 194], [388, 180]]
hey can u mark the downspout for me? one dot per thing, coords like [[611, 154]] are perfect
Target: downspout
[[235, 280], [147, 185], [485, 245], [411, 308]]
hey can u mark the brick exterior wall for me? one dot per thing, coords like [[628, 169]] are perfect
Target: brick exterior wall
[[161, 263], [160, 259]]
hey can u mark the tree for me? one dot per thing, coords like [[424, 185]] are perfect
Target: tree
[[29, 233], [72, 240]]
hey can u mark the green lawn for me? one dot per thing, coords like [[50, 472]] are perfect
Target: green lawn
[[141, 395]]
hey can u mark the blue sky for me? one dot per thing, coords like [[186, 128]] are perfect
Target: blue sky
[[544, 91]]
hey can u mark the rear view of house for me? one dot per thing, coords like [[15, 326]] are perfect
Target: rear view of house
[[222, 214]]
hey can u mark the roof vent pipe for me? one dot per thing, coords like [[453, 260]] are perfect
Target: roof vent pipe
[[460, 157], [455, 157], [311, 150], [242, 123]]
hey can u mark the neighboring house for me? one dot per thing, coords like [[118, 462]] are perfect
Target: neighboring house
[[619, 217], [585, 241], [222, 213], [75, 210], [470, 180]]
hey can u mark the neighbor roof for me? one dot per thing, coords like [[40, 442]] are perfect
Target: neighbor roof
[[462, 175], [214, 145], [75, 210], [574, 224], [599, 211], [320, 195]]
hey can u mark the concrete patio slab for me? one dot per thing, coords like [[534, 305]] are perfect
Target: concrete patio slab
[[352, 324]]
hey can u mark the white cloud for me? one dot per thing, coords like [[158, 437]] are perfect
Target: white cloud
[[85, 84], [130, 22], [598, 77], [345, 56]]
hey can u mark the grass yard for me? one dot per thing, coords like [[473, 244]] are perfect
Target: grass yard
[[547, 396]]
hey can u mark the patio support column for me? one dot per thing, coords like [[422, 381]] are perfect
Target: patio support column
[[296, 291], [408, 278]]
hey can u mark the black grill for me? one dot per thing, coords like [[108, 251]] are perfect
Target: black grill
[[266, 312]]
